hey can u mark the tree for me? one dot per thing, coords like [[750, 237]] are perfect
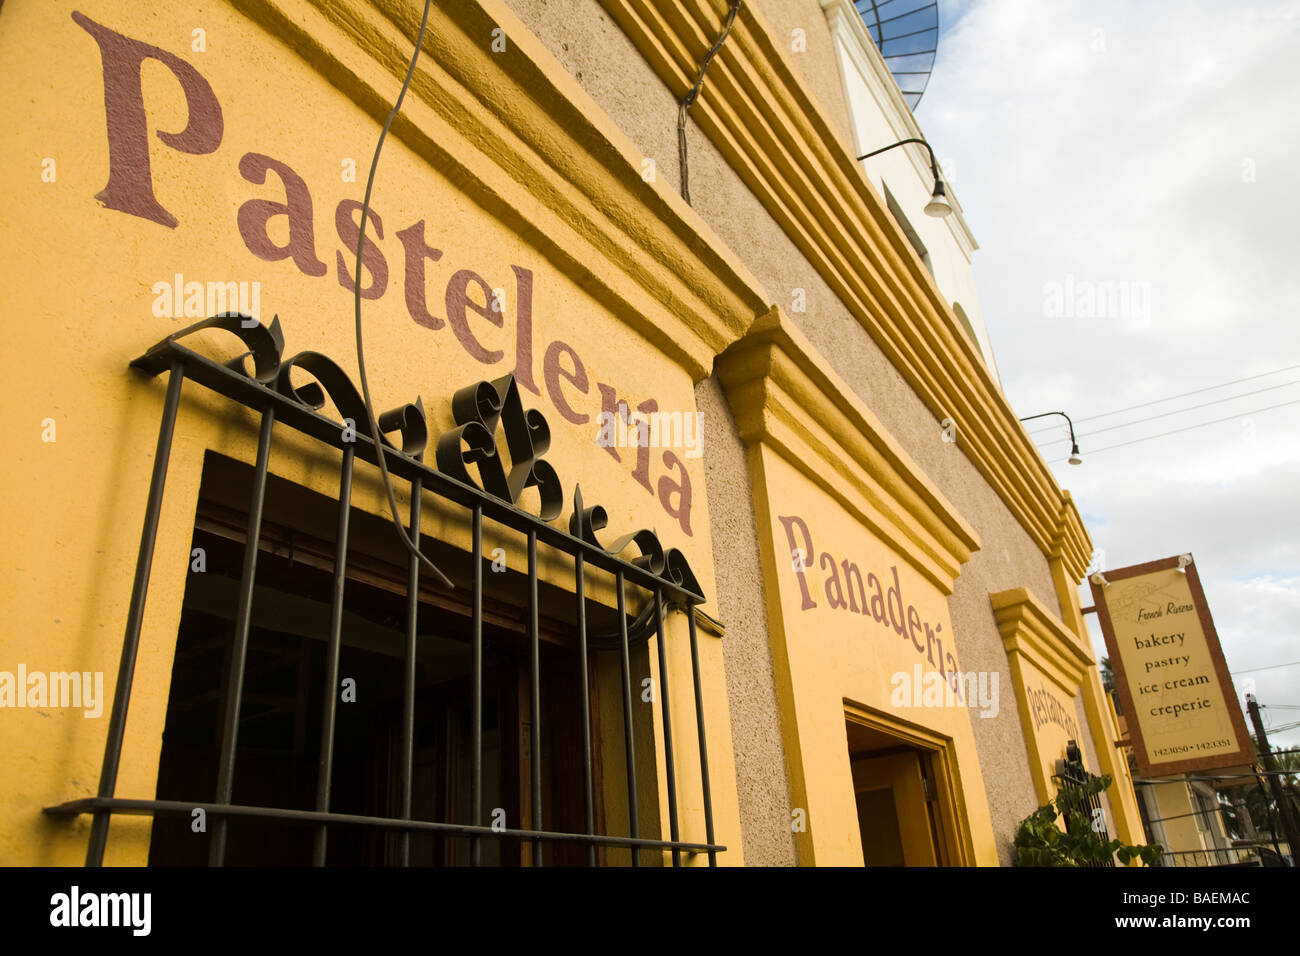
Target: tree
[[1108, 684], [1259, 800], [1107, 676]]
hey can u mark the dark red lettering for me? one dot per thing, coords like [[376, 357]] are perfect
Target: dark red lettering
[[800, 556], [458, 301], [416, 252], [130, 177], [553, 372], [372, 260], [255, 214]]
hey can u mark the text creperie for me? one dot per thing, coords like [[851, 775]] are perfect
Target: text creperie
[[468, 297]]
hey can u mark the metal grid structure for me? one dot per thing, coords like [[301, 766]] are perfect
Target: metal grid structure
[[478, 410], [1245, 855], [907, 35], [1071, 778]]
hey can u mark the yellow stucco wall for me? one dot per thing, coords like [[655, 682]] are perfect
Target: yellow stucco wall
[[83, 277], [828, 656]]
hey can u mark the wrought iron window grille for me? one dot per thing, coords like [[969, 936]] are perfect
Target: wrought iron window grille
[[477, 410], [1072, 777]]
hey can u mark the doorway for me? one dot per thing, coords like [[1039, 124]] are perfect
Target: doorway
[[904, 802]]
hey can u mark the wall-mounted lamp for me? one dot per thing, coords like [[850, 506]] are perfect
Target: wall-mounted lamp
[[1075, 458], [938, 206]]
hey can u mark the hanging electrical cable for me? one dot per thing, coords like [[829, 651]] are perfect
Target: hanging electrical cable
[[692, 94], [380, 453], [1177, 431], [1177, 411], [1161, 401], [1266, 667]]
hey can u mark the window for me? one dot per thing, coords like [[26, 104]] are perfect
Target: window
[[966, 324], [331, 703], [280, 741], [897, 211]]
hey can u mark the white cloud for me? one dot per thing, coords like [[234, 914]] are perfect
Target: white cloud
[[1153, 145]]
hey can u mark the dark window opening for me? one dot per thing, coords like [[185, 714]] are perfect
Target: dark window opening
[[279, 740], [913, 239]]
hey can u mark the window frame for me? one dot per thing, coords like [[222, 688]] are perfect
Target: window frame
[[479, 409]]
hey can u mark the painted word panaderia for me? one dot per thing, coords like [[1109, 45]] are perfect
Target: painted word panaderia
[[890, 610]]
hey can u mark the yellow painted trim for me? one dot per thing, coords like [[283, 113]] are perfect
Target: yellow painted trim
[[762, 118], [1122, 795], [1031, 633], [1029, 628], [785, 395], [778, 626], [1071, 542], [1098, 710]]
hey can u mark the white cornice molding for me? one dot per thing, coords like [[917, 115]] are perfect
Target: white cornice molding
[[847, 28]]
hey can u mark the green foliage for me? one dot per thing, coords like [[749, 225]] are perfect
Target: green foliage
[[1261, 806], [1040, 842], [1107, 676], [1108, 684]]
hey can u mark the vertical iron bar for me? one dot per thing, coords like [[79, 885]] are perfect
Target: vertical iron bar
[[325, 765], [580, 575], [634, 826], [476, 793], [408, 691], [699, 723], [235, 680], [668, 727], [535, 741], [135, 616]]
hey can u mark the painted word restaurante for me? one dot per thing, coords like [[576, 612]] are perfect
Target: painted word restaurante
[[519, 641]]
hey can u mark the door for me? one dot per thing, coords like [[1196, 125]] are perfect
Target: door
[[893, 810]]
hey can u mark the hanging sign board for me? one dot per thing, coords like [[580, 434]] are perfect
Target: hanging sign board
[[1169, 669]]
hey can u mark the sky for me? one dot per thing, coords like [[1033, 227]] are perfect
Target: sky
[[1128, 171]]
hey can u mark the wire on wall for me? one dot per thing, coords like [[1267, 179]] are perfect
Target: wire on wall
[[693, 94], [380, 454]]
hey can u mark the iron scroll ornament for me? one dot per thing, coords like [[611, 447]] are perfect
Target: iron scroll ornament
[[477, 410], [265, 346], [671, 565]]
